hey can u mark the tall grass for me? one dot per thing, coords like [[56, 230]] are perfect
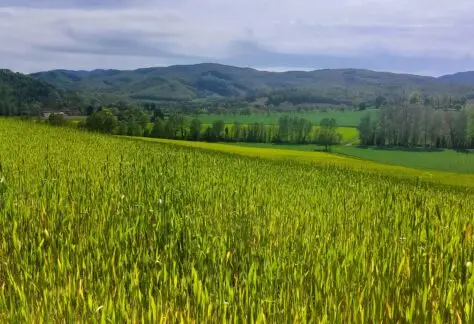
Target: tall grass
[[101, 229]]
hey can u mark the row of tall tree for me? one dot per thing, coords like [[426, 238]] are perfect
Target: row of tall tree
[[289, 130], [135, 121], [131, 121], [413, 125]]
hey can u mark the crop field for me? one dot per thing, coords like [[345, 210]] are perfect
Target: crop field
[[308, 154], [343, 118], [107, 229]]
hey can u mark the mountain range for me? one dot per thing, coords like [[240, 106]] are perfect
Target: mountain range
[[22, 94], [208, 82], [215, 81]]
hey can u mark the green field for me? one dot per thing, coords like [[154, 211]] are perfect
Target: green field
[[108, 229], [343, 118], [444, 160], [313, 154]]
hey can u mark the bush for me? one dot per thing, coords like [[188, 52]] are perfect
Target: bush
[[102, 121]]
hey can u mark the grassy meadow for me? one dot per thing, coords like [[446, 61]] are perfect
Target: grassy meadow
[[108, 229], [343, 118], [443, 160]]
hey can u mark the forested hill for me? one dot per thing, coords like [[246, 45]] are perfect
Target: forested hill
[[214, 81], [463, 78], [22, 94]]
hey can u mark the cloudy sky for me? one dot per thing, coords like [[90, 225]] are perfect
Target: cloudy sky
[[430, 37]]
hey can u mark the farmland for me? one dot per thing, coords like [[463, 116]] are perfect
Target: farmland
[[307, 154], [107, 229]]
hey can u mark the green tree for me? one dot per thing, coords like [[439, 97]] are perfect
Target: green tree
[[284, 129], [327, 134], [460, 130], [158, 130], [470, 123], [217, 129], [304, 128], [172, 127], [157, 113], [133, 121], [237, 132], [103, 121], [195, 129], [379, 101], [365, 130], [135, 129], [415, 98]]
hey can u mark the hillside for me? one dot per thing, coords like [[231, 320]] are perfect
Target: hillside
[[189, 82], [462, 78], [22, 94], [98, 227]]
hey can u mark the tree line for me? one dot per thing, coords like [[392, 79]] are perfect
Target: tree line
[[415, 125], [136, 122], [289, 130]]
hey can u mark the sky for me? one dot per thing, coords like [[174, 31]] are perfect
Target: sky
[[427, 37]]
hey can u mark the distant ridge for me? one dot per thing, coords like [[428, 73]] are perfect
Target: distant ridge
[[23, 94], [216, 81]]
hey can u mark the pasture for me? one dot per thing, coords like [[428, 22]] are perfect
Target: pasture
[[104, 229], [442, 160], [427, 161]]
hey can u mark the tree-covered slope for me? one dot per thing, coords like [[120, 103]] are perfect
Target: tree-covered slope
[[22, 94], [464, 78]]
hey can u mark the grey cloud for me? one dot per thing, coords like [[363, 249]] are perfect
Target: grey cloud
[[132, 43], [63, 3], [251, 53], [403, 35]]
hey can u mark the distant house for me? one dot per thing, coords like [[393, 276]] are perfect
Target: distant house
[[47, 112]]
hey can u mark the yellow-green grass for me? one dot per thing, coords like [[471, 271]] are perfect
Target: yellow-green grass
[[350, 135], [101, 229], [449, 178]]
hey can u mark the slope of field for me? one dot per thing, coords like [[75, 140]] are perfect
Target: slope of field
[[343, 118], [104, 229], [443, 160], [306, 153]]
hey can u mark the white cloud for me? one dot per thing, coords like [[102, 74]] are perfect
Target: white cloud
[[142, 33]]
